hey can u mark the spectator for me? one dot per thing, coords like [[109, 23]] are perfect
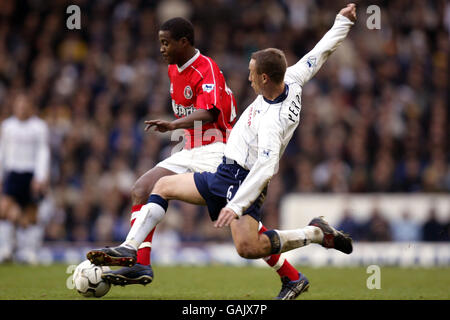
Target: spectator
[[405, 229], [349, 225], [432, 229], [377, 227]]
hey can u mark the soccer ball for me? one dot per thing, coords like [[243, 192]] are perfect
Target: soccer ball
[[88, 281]]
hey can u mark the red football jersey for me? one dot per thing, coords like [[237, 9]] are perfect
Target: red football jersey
[[199, 84]]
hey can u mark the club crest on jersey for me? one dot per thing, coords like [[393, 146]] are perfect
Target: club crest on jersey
[[311, 62], [188, 92], [266, 153], [208, 87]]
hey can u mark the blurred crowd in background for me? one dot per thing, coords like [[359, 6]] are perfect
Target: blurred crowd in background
[[374, 119]]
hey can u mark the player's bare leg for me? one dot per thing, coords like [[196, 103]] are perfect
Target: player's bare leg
[[141, 272], [318, 231], [29, 216], [180, 187], [251, 244], [9, 209], [247, 233], [144, 185], [248, 242]]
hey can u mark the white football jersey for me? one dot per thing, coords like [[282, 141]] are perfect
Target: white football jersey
[[24, 147], [264, 129]]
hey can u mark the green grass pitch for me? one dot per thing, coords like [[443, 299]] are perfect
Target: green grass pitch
[[232, 283]]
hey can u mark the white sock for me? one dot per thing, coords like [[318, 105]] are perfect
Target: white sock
[[314, 233], [292, 239], [7, 238], [147, 218], [29, 241]]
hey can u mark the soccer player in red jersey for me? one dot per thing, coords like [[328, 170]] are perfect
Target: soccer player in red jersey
[[205, 107]]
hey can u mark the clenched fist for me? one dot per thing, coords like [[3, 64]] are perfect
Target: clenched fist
[[349, 11]]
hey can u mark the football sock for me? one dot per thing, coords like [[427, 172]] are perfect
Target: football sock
[[146, 220], [144, 250], [29, 241], [279, 263], [285, 240], [134, 212], [7, 239]]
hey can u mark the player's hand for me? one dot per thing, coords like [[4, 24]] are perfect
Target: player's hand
[[38, 188], [160, 125], [226, 216], [349, 11]]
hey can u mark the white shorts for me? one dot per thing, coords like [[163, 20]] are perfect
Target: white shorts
[[199, 159]]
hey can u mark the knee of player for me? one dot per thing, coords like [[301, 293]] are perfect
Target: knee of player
[[246, 249], [163, 187], [139, 191]]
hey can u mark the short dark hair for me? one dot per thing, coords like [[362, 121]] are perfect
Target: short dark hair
[[272, 62], [179, 28]]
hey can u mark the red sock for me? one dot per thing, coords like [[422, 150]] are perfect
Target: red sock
[[134, 209], [286, 269], [143, 254]]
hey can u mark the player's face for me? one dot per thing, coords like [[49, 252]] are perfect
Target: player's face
[[169, 47], [22, 108], [254, 77]]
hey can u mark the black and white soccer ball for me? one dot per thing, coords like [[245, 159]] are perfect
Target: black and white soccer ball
[[87, 279]]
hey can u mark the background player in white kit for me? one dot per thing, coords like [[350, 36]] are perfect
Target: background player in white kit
[[235, 192], [24, 172]]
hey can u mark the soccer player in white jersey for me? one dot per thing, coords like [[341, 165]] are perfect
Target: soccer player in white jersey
[[235, 192], [199, 95], [24, 172]]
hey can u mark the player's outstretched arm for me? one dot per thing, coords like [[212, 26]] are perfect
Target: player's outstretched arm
[[188, 122], [310, 64]]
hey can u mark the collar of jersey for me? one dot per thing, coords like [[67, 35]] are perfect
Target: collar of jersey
[[189, 62], [280, 98]]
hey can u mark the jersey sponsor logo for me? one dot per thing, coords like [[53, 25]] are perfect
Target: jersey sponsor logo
[[208, 87], [188, 92], [171, 88], [311, 62], [182, 111]]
